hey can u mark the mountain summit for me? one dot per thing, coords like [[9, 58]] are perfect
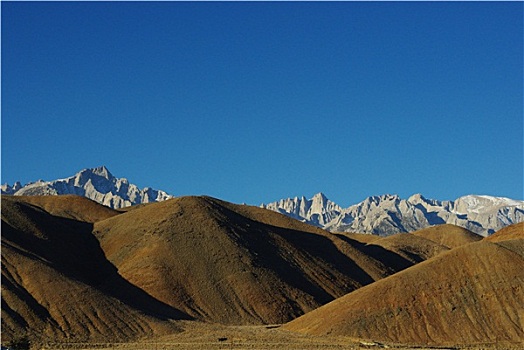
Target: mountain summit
[[389, 214], [97, 184]]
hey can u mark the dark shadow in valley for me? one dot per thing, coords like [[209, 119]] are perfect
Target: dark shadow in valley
[[391, 260], [267, 243], [69, 247]]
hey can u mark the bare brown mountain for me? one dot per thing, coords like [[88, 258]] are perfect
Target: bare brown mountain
[[57, 283], [469, 295], [68, 206], [75, 270], [403, 250], [235, 264]]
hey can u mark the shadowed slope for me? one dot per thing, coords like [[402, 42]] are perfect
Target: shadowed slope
[[471, 294], [396, 252], [231, 263], [413, 248], [403, 250], [57, 284]]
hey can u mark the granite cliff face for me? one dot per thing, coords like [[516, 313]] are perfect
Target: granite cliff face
[[97, 184], [389, 214]]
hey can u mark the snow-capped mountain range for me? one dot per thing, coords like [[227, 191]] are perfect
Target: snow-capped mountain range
[[380, 215], [97, 184], [389, 214]]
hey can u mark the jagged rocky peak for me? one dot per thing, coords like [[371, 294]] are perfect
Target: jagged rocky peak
[[97, 184], [8, 189], [320, 197], [389, 214], [417, 198], [376, 201], [101, 171]]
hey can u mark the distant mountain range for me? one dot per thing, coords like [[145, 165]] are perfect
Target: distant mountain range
[[380, 215], [97, 184], [389, 214]]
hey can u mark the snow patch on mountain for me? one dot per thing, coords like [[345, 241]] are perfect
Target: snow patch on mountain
[[97, 184]]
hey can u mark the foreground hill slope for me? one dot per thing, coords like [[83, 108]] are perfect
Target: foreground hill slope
[[57, 284], [73, 269], [510, 232], [233, 264], [471, 294]]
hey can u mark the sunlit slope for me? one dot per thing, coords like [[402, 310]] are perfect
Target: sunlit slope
[[57, 284], [471, 294], [67, 206], [515, 231], [74, 269], [230, 263], [448, 235]]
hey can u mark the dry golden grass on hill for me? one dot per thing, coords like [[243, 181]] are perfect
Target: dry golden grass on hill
[[230, 263], [449, 236], [200, 273], [209, 259], [515, 231], [67, 206], [410, 247], [56, 282], [205, 336], [469, 295]]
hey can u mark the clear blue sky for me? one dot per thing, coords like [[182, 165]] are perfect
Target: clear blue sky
[[253, 102]]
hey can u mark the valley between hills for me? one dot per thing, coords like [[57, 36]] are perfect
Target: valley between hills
[[201, 273]]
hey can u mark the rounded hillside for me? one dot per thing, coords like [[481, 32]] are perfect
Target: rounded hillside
[[57, 283], [448, 235], [469, 295], [515, 231], [67, 206], [411, 247], [230, 263]]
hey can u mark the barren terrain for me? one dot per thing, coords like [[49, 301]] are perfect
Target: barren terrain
[[200, 273]]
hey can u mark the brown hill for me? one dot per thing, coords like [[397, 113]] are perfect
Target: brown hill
[[471, 294], [67, 206], [361, 237], [396, 252], [57, 284], [232, 264], [515, 231], [450, 236], [73, 269], [409, 249]]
